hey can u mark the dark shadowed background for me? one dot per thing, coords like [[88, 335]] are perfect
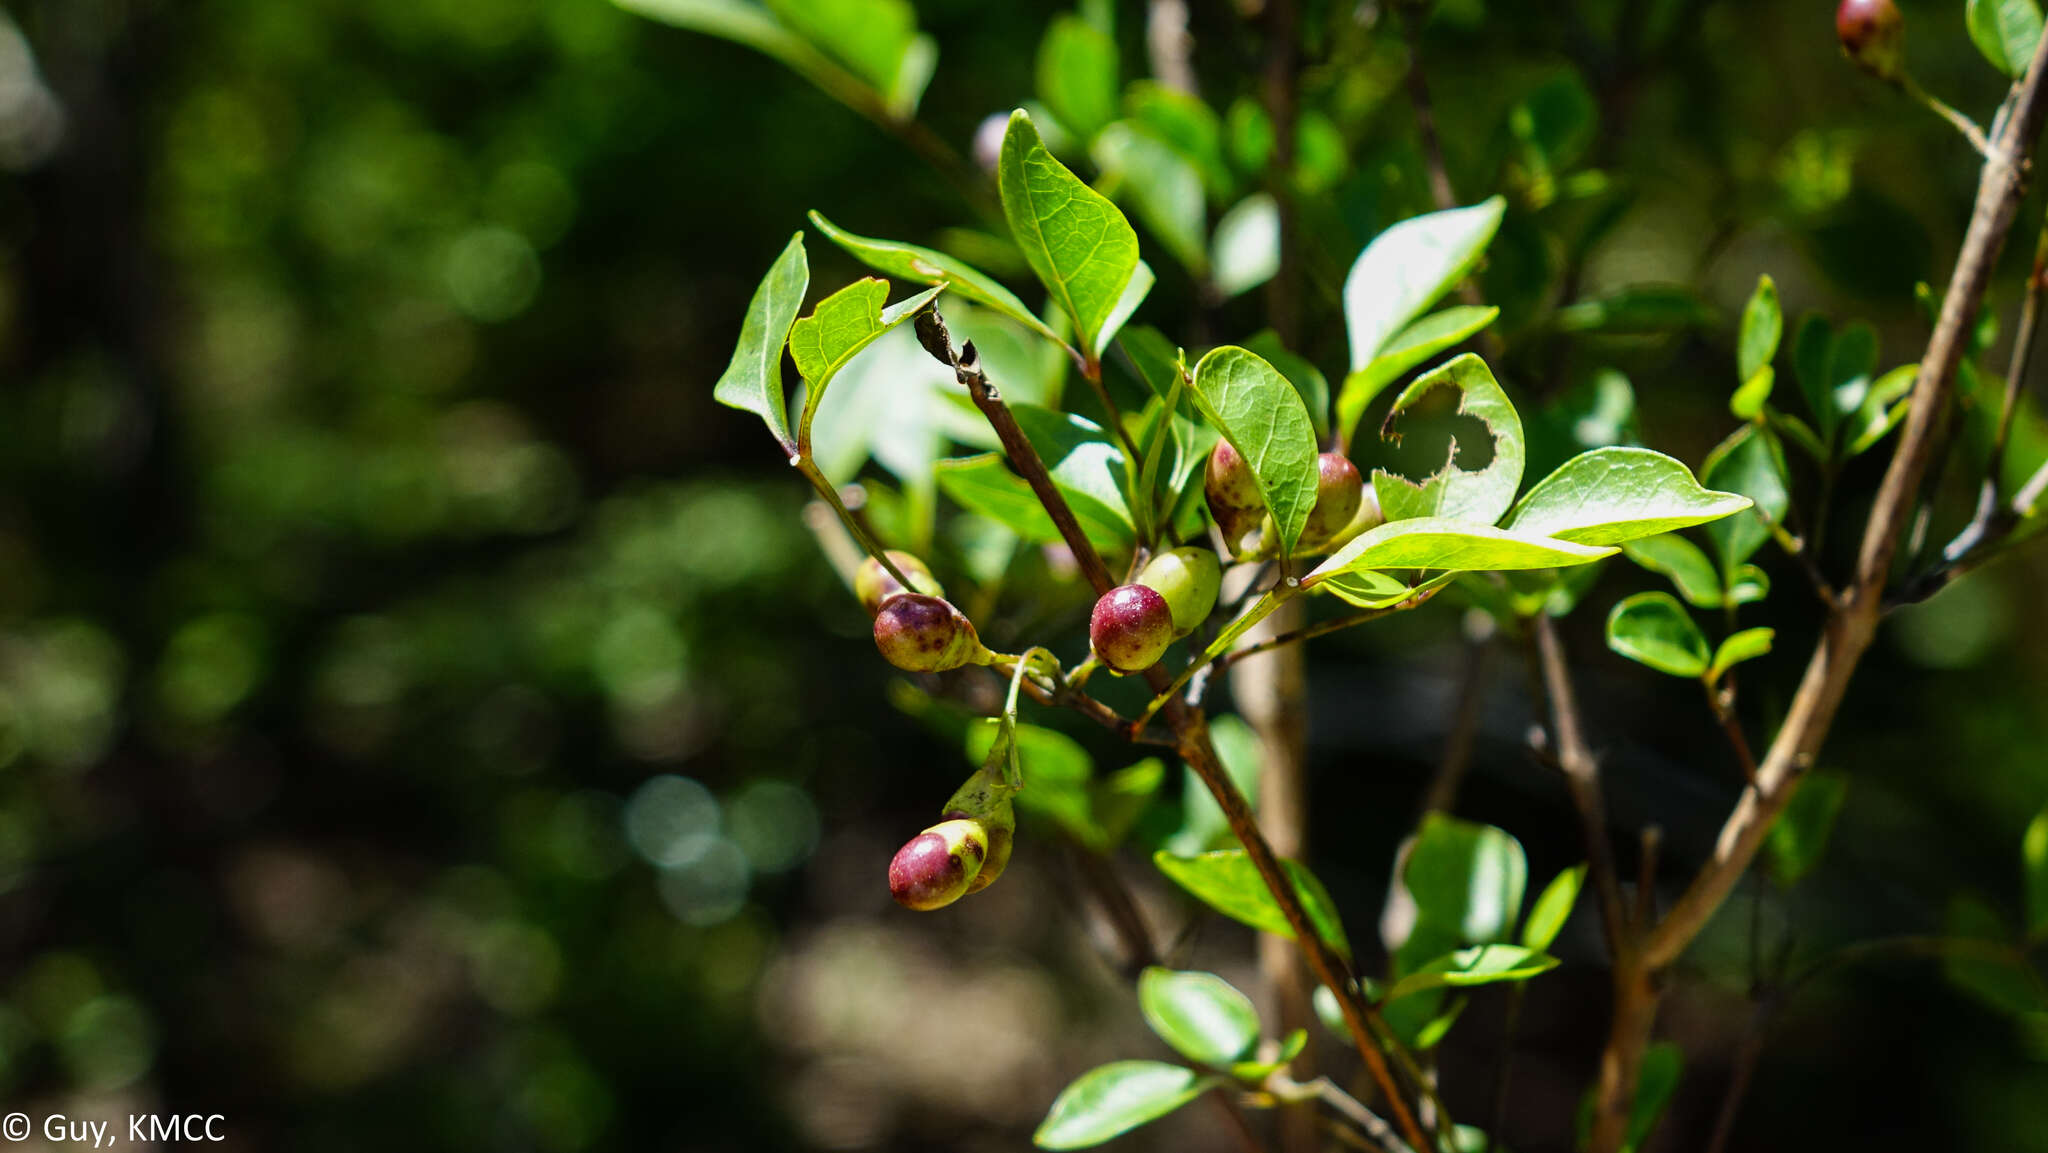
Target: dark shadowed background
[[427, 723]]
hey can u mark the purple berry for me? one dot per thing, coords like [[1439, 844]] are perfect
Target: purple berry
[[1873, 34], [923, 634], [1131, 627], [936, 867]]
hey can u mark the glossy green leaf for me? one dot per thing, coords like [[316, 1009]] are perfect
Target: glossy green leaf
[[1800, 836], [984, 484], [1227, 882], [1478, 965], [1813, 364], [1450, 546], [925, 266], [1370, 590], [1746, 645], [2034, 867], [1678, 558], [877, 40], [1408, 267], [1187, 123], [1245, 251], [1611, 495], [1553, 908], [1291, 1046], [753, 381], [1081, 247], [1748, 585], [1116, 1098], [1087, 467], [1479, 496], [1466, 879], [1307, 379], [838, 328], [1161, 186], [1263, 417], [1638, 310], [1762, 324], [1655, 630], [1414, 345], [1201, 1015], [1077, 75], [1884, 404], [1754, 393], [2005, 31], [1746, 463]]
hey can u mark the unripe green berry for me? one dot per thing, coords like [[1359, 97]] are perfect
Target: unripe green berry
[[1233, 493], [924, 634], [1188, 578], [1873, 34], [874, 586], [1339, 492], [1130, 628], [936, 867]]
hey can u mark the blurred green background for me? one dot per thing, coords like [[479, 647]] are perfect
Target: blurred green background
[[426, 723]]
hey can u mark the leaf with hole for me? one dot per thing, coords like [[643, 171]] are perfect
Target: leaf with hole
[[1408, 267], [1262, 416], [1414, 345], [1479, 496], [1081, 247], [1655, 630], [1227, 882], [1116, 1098], [1201, 1015]]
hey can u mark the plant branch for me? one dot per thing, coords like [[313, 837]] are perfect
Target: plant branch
[[1343, 1104], [1721, 700], [1582, 777]]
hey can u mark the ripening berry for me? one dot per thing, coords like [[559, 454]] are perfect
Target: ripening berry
[[1339, 491], [1188, 578], [1873, 34], [924, 634], [1001, 839], [1234, 498], [1130, 628], [935, 868], [873, 584]]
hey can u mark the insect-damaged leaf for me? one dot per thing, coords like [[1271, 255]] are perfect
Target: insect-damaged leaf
[[1454, 493]]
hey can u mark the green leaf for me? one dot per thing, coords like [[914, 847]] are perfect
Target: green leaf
[[1478, 965], [1748, 585], [1746, 645], [1747, 463], [1087, 468], [1161, 185], [1477, 496], [753, 381], [1466, 880], [1199, 1014], [1134, 295], [1762, 324], [1290, 1048], [1081, 247], [1884, 404], [1655, 1083], [1450, 546], [1245, 251], [1372, 590], [877, 40], [925, 266], [1638, 310], [1750, 398], [1798, 432], [1227, 882], [1553, 908], [1408, 267], [2034, 861], [2005, 31], [1202, 821], [1413, 345], [1800, 836], [1116, 1098], [1263, 417], [1813, 363], [984, 484], [1611, 495], [1184, 121], [1307, 379], [1681, 560], [1077, 75], [1655, 630], [839, 327]]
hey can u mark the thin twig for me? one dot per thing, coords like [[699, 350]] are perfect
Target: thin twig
[[1646, 875], [1343, 1104], [1582, 778], [1720, 700]]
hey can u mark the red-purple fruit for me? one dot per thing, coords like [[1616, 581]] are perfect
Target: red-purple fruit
[[874, 586], [1188, 578], [1873, 34], [1233, 492], [924, 634], [936, 867], [1339, 491], [1131, 627]]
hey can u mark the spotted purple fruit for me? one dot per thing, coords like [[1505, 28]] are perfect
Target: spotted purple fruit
[[1130, 628], [1873, 34], [923, 634], [1339, 491], [1233, 492], [874, 586], [938, 865]]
